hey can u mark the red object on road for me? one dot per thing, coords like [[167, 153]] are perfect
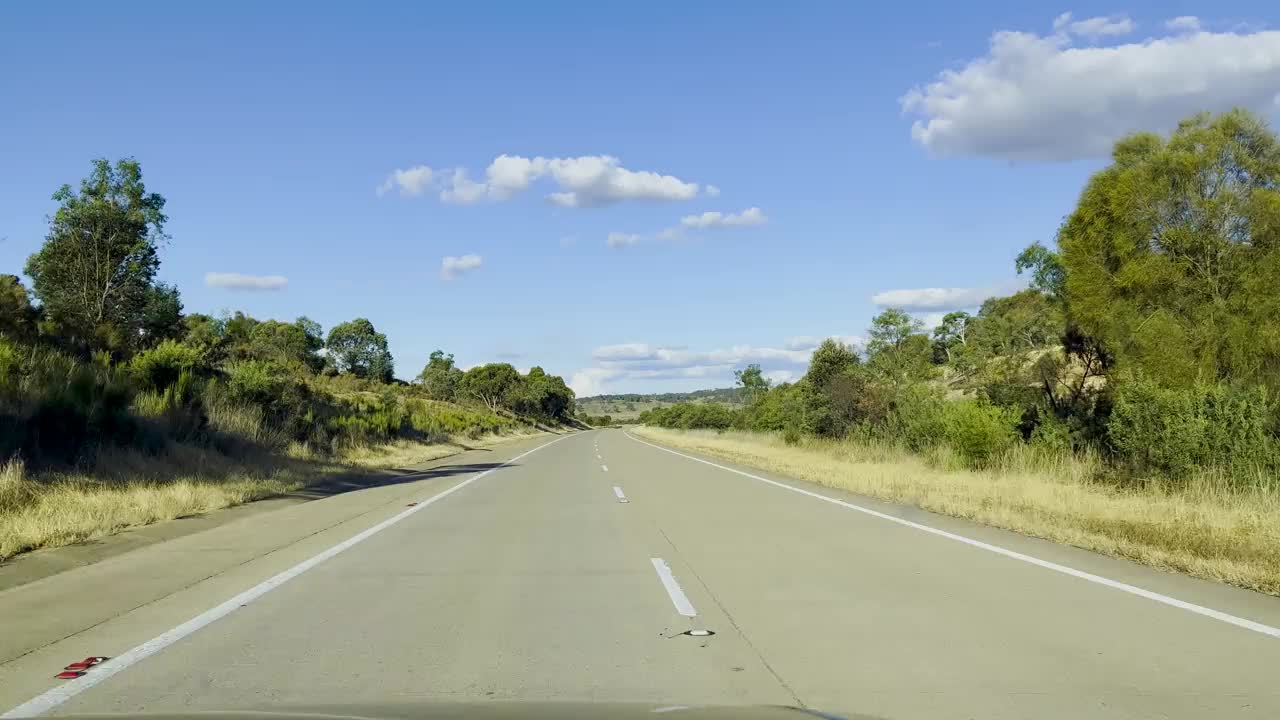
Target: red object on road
[[68, 674], [86, 663]]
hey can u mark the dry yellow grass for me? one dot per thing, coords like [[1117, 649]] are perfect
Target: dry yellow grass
[[1205, 529], [129, 489]]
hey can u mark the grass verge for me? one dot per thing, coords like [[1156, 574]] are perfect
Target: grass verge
[[128, 489], [1204, 528]]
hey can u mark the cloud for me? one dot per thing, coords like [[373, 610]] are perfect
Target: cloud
[[462, 190], [1035, 97], [642, 362], [411, 182], [933, 298], [777, 377], [238, 281], [750, 216], [1094, 27], [452, 266], [585, 181], [1183, 23], [618, 239], [712, 191]]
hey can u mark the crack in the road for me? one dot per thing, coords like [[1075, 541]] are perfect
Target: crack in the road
[[729, 616]]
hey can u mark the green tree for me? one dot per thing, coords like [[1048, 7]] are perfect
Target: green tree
[[492, 384], [1023, 321], [358, 348], [1171, 256], [17, 317], [1047, 273], [752, 381], [94, 275], [950, 338], [898, 350], [441, 378], [161, 315]]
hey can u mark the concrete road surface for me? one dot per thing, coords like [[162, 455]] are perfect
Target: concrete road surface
[[573, 572]]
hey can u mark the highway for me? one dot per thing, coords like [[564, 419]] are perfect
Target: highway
[[575, 567]]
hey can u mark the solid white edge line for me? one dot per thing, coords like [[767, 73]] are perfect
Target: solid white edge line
[[618, 491], [678, 598], [604, 468], [1065, 570], [52, 698]]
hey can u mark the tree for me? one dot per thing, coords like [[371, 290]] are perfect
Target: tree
[[284, 343], [1047, 273], [161, 315], [1171, 256], [831, 358], [441, 378], [950, 338], [94, 274], [358, 348], [898, 351], [17, 317], [752, 381], [1025, 320], [492, 384]]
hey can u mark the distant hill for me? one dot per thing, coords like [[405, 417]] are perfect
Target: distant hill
[[627, 406]]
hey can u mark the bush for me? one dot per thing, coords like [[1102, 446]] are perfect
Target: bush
[[162, 365], [791, 435], [1177, 431], [978, 431], [916, 417]]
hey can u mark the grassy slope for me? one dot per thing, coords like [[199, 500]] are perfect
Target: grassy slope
[[1206, 530], [129, 489]]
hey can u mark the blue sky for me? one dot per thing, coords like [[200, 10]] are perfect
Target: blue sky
[[275, 131]]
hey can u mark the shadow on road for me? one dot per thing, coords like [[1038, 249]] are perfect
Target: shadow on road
[[338, 486]]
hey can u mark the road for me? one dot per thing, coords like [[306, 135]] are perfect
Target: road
[[533, 580]]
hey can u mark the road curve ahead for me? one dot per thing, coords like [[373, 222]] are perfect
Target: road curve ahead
[[596, 567]]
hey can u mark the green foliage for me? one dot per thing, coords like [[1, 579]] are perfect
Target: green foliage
[[17, 317], [1048, 275], [752, 381], [441, 379], [1177, 430], [358, 348], [899, 353], [1172, 255], [496, 385], [94, 275], [162, 365], [978, 431]]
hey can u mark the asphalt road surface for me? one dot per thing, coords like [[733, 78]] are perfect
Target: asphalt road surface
[[572, 569]]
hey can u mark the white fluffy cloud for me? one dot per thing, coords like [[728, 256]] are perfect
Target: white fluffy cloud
[[1035, 97], [1183, 23], [411, 182], [937, 299], [585, 181], [620, 239], [632, 362], [239, 281], [452, 266], [750, 216]]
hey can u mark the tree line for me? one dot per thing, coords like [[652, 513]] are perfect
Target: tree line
[[99, 352], [1149, 333]]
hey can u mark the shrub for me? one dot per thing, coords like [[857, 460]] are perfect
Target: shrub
[[791, 435], [1179, 430], [162, 365], [978, 431], [916, 417]]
